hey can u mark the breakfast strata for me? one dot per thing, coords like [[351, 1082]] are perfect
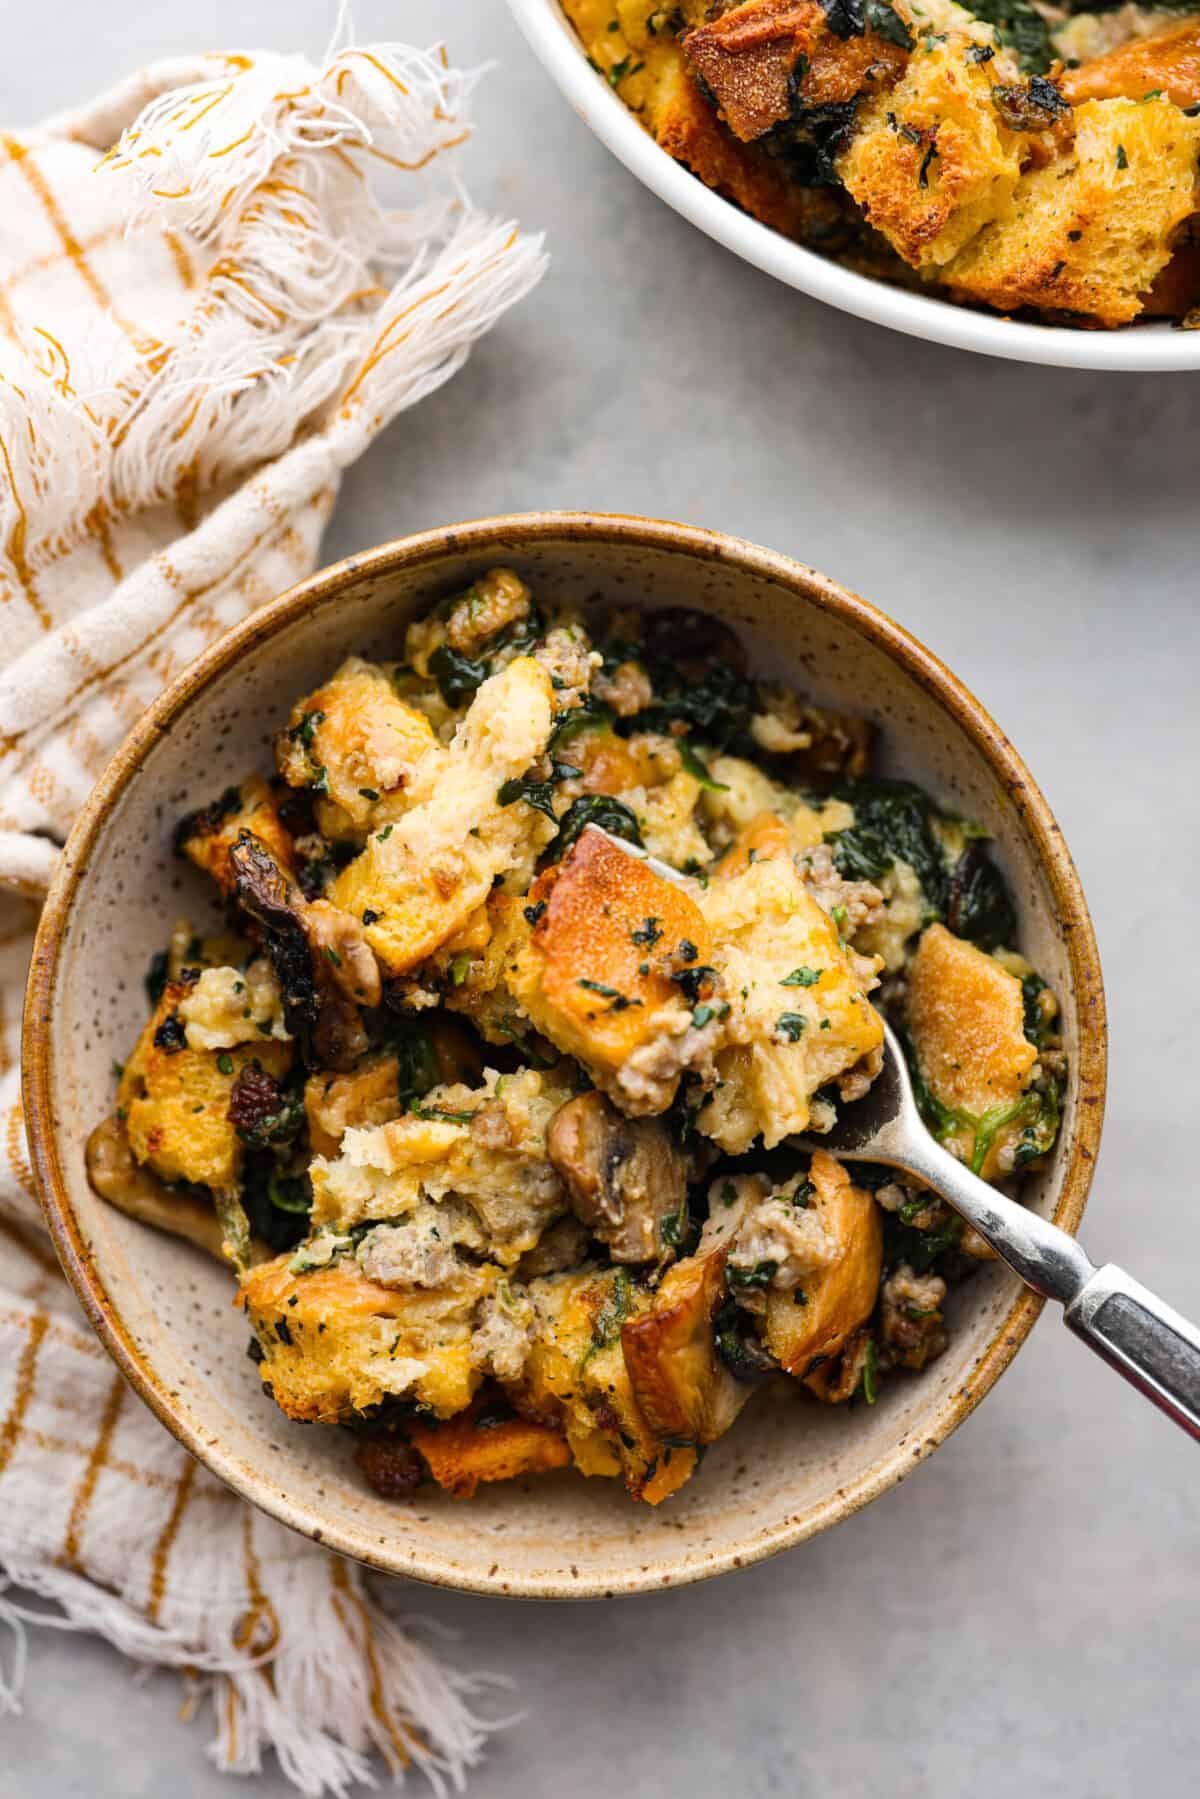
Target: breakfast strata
[[1021, 156], [541, 947]]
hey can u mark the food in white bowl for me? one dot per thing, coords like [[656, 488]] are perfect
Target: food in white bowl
[[875, 283], [491, 1114], [1022, 159]]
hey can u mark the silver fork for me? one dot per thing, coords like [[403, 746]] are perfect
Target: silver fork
[[1147, 1341]]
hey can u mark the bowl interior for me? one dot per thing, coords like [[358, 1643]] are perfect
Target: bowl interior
[[790, 1466], [1146, 347]]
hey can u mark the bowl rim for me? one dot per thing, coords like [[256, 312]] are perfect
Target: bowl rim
[[1147, 349], [425, 551]]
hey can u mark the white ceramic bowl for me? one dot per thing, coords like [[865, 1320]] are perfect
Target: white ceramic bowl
[[1145, 348]]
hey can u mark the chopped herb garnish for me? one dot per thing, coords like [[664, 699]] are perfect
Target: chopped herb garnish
[[607, 1326], [648, 934], [382, 836], [170, 1036], [303, 732], [802, 977], [369, 793], [370, 917], [620, 1001], [225, 1062], [792, 1024], [697, 769], [691, 981], [438, 1113], [1122, 159], [534, 912], [870, 1374]]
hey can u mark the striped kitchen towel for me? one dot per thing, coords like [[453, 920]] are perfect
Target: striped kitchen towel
[[206, 314]]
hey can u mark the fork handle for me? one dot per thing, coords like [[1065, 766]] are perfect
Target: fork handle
[[1156, 1350], [1148, 1342]]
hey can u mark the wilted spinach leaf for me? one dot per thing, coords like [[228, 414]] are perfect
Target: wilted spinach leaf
[[594, 809], [1021, 26], [886, 23], [1035, 1025], [891, 823], [459, 677], [978, 903], [718, 705]]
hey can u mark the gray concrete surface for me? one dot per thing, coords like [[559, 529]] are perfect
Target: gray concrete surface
[[1023, 1615]]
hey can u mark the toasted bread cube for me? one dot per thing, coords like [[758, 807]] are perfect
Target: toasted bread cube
[[783, 1038], [1090, 231], [175, 1099], [336, 1343], [815, 1320], [206, 837], [745, 793], [932, 161], [758, 58], [474, 968], [596, 974], [608, 763], [1176, 291], [336, 1103], [364, 749], [666, 815], [966, 1021], [463, 1451], [1167, 62], [682, 1387], [765, 837], [576, 1374], [422, 878], [663, 92]]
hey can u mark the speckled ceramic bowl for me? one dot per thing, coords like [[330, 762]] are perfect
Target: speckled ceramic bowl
[[790, 1467]]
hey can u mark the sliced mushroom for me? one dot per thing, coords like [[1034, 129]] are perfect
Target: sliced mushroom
[[120, 1179], [625, 1179], [299, 939]]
